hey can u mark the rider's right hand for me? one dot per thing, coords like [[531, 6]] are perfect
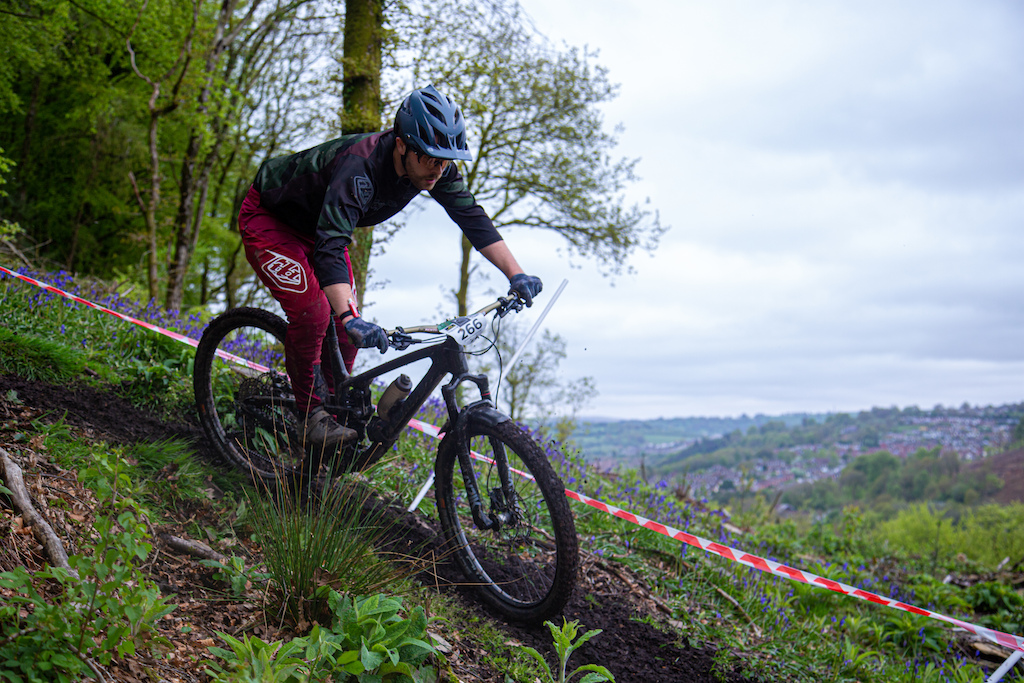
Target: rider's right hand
[[365, 334], [526, 287]]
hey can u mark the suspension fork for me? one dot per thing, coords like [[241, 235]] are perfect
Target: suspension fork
[[479, 412]]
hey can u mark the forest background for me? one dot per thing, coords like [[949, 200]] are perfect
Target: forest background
[[129, 132]]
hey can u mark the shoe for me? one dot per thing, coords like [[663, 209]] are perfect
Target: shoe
[[323, 434]]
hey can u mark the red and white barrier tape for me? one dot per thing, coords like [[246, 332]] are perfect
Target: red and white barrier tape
[[1006, 639], [135, 321], [1009, 640]]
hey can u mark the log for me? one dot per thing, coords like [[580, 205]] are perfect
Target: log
[[43, 532], [194, 548]]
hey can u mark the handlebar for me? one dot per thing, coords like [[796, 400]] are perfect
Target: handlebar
[[400, 339]]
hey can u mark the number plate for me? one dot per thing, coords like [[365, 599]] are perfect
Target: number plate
[[465, 330]]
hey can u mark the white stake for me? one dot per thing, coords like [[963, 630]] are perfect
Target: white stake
[[1007, 665], [515, 357]]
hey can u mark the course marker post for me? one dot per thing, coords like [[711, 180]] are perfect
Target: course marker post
[[515, 357]]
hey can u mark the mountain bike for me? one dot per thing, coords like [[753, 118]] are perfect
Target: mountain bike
[[502, 508]]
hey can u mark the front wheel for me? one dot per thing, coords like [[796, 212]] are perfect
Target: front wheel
[[243, 394], [527, 567]]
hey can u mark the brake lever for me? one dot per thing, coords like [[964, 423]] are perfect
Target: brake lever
[[400, 341], [509, 304]]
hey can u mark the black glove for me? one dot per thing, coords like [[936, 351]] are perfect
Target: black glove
[[366, 335], [526, 286]]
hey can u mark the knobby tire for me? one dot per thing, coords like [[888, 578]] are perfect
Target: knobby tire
[[237, 405], [526, 571]]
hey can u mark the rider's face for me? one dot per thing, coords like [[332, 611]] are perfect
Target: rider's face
[[423, 171]]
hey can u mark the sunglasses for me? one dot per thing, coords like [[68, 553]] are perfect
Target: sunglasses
[[432, 162]]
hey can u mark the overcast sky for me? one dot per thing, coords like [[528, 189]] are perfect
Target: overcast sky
[[845, 188]]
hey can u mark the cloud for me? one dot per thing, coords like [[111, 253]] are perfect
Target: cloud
[[845, 186]]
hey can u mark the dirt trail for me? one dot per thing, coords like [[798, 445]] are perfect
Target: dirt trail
[[633, 650]]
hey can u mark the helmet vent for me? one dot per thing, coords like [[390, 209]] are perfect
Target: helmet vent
[[434, 111]]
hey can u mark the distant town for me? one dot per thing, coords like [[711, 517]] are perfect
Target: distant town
[[970, 432]]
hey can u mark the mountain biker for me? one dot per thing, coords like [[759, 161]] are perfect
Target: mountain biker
[[298, 218]]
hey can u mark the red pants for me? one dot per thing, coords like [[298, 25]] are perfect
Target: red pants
[[281, 259]]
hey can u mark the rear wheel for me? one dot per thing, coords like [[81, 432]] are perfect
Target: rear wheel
[[526, 568], [243, 394]]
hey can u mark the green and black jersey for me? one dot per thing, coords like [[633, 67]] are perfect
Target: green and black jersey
[[328, 190]]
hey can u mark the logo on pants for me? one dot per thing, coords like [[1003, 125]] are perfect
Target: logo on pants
[[286, 272]]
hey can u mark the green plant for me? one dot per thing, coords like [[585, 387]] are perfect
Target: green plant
[[252, 659], [106, 605], [368, 641], [235, 574], [566, 642], [157, 379], [36, 358], [856, 660]]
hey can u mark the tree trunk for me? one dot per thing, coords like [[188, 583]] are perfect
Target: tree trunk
[[149, 208], [462, 295], [190, 215], [181, 255], [26, 143], [364, 21]]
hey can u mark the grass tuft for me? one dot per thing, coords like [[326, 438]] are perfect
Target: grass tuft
[[36, 358], [313, 544]]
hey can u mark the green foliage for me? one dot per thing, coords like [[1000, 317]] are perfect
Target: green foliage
[[566, 641], [997, 605], [881, 480], [235, 574], [369, 640], [73, 104], [8, 230], [985, 535], [35, 358], [106, 606], [161, 382]]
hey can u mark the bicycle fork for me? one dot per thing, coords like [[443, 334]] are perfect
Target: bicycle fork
[[482, 411]]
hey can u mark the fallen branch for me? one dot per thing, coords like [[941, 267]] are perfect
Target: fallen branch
[[194, 548], [14, 250], [43, 532], [757, 629]]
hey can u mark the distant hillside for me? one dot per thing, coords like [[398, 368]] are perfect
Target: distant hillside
[[966, 430], [716, 455], [625, 442], [1009, 467]]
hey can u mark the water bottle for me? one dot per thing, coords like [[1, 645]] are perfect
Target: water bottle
[[396, 392]]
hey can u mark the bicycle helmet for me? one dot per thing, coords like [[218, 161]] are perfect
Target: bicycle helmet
[[431, 124]]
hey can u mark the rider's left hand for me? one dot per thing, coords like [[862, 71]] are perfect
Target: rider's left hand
[[526, 286], [365, 334]]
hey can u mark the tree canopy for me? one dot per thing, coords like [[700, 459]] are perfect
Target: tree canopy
[[131, 131], [135, 128], [543, 157]]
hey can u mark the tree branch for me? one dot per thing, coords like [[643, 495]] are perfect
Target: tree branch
[[194, 548], [43, 532]]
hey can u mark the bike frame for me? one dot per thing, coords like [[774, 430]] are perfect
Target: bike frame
[[446, 358]]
